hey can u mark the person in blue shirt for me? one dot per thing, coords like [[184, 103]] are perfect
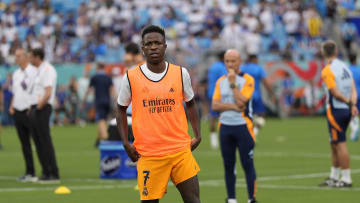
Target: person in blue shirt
[[102, 84], [258, 73], [354, 125], [215, 71]]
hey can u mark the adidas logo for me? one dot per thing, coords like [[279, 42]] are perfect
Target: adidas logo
[[171, 90]]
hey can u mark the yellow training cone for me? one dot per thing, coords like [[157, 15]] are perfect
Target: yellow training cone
[[62, 190]]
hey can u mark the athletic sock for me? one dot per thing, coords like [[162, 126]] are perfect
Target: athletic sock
[[256, 131], [335, 173], [346, 176], [214, 140]]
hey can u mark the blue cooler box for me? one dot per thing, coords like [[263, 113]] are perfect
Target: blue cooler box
[[114, 161]]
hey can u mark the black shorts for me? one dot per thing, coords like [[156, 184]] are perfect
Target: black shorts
[[102, 111]]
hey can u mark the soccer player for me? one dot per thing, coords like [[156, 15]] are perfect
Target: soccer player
[[104, 91], [258, 73], [216, 70], [354, 125], [341, 106], [162, 146], [42, 101], [232, 98], [19, 108]]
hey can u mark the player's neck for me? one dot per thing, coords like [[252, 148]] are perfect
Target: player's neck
[[156, 68], [23, 66], [331, 59]]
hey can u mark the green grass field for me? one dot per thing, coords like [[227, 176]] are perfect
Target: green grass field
[[291, 157]]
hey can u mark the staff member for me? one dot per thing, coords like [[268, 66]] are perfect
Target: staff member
[[19, 107], [42, 100], [232, 98]]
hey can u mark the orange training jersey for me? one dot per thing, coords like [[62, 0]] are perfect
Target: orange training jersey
[[159, 122]]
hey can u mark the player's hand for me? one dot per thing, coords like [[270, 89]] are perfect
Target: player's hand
[[131, 151], [231, 76], [195, 142], [354, 111], [11, 110], [238, 108]]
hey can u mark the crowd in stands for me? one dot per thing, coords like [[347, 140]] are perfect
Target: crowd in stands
[[98, 30]]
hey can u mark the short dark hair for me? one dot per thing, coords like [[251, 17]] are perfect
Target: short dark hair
[[252, 57], [329, 48], [38, 52], [152, 28], [352, 58], [132, 48]]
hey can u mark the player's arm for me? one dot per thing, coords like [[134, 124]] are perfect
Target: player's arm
[[267, 85], [42, 101], [123, 100], [188, 96], [195, 123], [353, 107], [243, 95], [354, 95], [122, 125], [216, 103], [11, 107]]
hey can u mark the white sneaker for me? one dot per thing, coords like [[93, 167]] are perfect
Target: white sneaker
[[214, 141], [231, 201], [28, 179]]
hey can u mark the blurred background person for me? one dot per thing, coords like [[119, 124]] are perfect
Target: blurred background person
[[103, 87], [42, 101], [73, 101], [23, 78], [83, 84], [61, 112], [253, 68], [216, 70], [354, 124]]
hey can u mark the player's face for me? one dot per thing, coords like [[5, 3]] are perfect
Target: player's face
[[154, 47], [34, 60], [232, 61]]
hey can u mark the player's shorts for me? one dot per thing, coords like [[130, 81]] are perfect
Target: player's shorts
[[102, 111], [154, 173], [258, 106], [338, 121]]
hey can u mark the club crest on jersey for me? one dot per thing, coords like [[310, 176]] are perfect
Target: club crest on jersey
[[145, 191]]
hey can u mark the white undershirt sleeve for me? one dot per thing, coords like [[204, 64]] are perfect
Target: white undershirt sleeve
[[188, 90], [124, 97]]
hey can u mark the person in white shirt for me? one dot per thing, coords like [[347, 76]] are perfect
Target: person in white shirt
[[42, 100], [19, 108]]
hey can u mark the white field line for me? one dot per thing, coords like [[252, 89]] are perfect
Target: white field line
[[260, 179], [284, 154], [207, 183], [354, 157]]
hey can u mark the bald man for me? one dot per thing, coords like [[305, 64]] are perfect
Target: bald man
[[232, 99]]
